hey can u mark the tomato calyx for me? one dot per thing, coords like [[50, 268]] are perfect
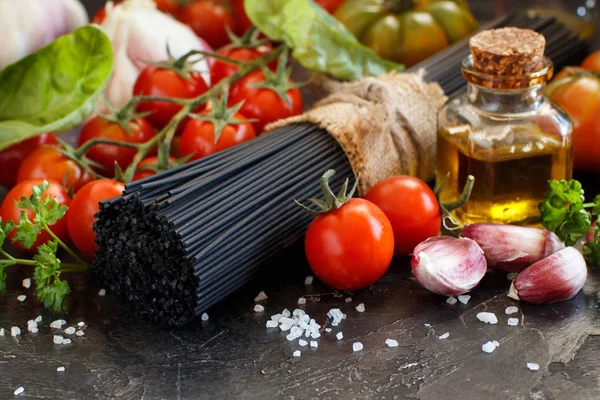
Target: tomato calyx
[[124, 116], [182, 66], [331, 201], [71, 153], [279, 81], [250, 39], [446, 208]]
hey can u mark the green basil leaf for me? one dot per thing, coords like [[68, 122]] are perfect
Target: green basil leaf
[[56, 87], [319, 41]]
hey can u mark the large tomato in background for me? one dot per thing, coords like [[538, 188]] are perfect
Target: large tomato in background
[[330, 5], [198, 137], [579, 95], [263, 104], [99, 16], [220, 70], [80, 218], [164, 82], [592, 62], [11, 158], [10, 212], [208, 19], [242, 21], [169, 6], [412, 208], [105, 154], [48, 163]]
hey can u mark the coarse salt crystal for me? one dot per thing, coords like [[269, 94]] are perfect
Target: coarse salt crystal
[[285, 327], [327, 329], [302, 342], [360, 307], [496, 343], [19, 391], [259, 308], [1, 331], [301, 300], [533, 366], [286, 313], [21, 297], [298, 313], [261, 296], [38, 319], [102, 292], [291, 337], [297, 353], [337, 316], [511, 310], [339, 336], [276, 317], [58, 323], [80, 333], [487, 317], [464, 298], [70, 330], [58, 339], [427, 325], [451, 300], [26, 283], [315, 335], [314, 343], [391, 342], [488, 347], [445, 336], [308, 280], [348, 299], [513, 321], [15, 331], [66, 341], [32, 326], [204, 317], [357, 346], [272, 324], [60, 369], [81, 324]]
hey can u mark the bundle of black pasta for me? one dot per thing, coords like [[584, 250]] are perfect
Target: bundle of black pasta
[[177, 243]]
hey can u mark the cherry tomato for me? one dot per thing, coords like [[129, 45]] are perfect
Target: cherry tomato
[[411, 207], [98, 18], [208, 20], [199, 137], [156, 81], [10, 212], [47, 163], [80, 218], [592, 62], [242, 21], [352, 247], [105, 154], [330, 5], [220, 70], [145, 173], [11, 158], [263, 104], [168, 6]]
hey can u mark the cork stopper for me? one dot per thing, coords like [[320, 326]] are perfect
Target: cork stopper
[[508, 51]]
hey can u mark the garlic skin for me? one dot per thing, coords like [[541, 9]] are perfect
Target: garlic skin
[[512, 248], [448, 266], [554, 279], [28, 25], [140, 32]]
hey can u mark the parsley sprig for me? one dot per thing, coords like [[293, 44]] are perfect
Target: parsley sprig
[[565, 213], [50, 288]]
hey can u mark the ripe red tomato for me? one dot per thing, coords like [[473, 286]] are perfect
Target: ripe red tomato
[[47, 163], [105, 154], [99, 16], [242, 21], [144, 173], [12, 157], [263, 104], [412, 208], [208, 19], [10, 212], [352, 247], [220, 70], [80, 217], [156, 81], [168, 6], [592, 62], [199, 137], [330, 5]]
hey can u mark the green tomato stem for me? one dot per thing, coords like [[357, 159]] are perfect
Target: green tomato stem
[[81, 151], [62, 244]]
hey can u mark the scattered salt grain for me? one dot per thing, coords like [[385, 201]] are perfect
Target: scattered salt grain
[[512, 276], [32, 326], [66, 341], [357, 346], [80, 333], [285, 327], [60, 369], [38, 319], [348, 299], [58, 339], [464, 298], [445, 336], [261, 296], [314, 343], [339, 336], [302, 342], [451, 300], [204, 317], [297, 353], [58, 323], [489, 347], [337, 316], [259, 308], [1, 331], [102, 292], [15, 331], [81, 324], [308, 280], [513, 321], [511, 310], [487, 317], [533, 366], [70, 330], [26, 283], [391, 342], [298, 313], [21, 297], [19, 391], [496, 343], [360, 307], [427, 325], [301, 300], [272, 324], [286, 313], [328, 330]]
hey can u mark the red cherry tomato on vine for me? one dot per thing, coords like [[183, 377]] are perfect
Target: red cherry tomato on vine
[[208, 19], [11, 158], [241, 18], [352, 247], [80, 218], [10, 212], [412, 208], [220, 70], [263, 104], [168, 6], [163, 82], [48, 163], [330, 5], [105, 154], [199, 137], [144, 173], [99, 16]]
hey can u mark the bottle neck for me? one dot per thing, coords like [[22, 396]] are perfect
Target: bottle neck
[[507, 101]]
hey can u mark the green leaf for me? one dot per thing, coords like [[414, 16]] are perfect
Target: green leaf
[[591, 252], [50, 290], [47, 210], [56, 87], [319, 41], [27, 231], [5, 229], [53, 296], [596, 208]]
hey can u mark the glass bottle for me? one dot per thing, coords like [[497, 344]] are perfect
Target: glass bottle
[[504, 131]]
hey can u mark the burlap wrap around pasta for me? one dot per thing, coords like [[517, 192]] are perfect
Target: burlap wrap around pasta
[[386, 125]]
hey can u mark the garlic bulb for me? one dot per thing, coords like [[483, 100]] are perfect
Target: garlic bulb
[[140, 32], [28, 25]]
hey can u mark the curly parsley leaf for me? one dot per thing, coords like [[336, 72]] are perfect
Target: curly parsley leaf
[[5, 229], [591, 251], [53, 296], [596, 207], [47, 210], [27, 231], [50, 289]]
